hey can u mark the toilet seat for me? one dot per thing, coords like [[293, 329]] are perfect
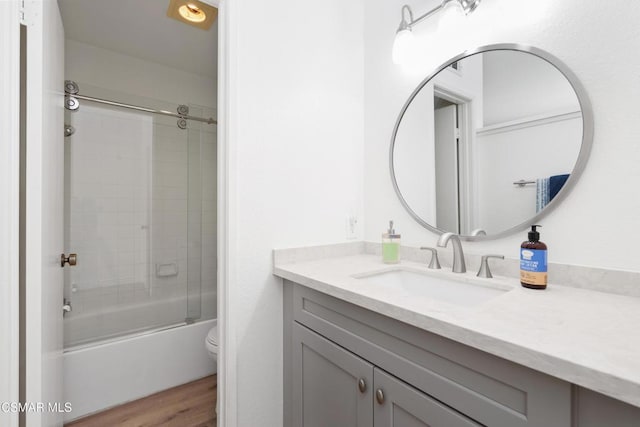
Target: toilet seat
[[211, 342], [212, 336]]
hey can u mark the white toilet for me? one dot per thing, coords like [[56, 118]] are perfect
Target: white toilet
[[211, 344]]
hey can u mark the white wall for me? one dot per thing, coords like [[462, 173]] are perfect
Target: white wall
[[296, 142], [591, 227], [519, 85], [105, 68], [526, 152]]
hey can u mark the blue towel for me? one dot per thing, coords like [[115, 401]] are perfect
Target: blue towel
[[542, 193], [555, 184]]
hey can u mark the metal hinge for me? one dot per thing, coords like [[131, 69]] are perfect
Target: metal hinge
[[26, 12], [457, 132]]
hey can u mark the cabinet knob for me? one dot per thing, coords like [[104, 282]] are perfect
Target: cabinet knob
[[380, 396], [72, 259], [362, 385]]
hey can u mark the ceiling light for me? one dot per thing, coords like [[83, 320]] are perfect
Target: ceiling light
[[403, 34], [192, 12]]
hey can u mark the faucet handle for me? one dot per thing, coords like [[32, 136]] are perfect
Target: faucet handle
[[435, 263], [484, 266]]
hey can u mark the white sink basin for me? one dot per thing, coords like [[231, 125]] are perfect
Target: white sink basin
[[465, 291]]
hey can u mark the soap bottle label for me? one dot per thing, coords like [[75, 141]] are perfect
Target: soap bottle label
[[533, 266]]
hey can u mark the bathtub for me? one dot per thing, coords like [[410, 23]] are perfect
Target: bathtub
[[107, 313], [109, 373]]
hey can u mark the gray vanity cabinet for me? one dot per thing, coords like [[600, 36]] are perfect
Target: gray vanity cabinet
[[337, 356], [334, 387], [330, 345]]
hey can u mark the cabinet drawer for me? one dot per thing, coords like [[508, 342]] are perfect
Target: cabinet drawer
[[489, 389]]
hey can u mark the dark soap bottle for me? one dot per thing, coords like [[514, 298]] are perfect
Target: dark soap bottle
[[533, 261]]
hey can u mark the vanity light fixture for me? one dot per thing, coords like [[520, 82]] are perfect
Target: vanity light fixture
[[192, 12], [404, 36]]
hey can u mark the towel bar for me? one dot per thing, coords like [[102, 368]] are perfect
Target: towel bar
[[523, 182]]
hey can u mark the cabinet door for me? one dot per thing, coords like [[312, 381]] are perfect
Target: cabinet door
[[400, 405], [331, 386]]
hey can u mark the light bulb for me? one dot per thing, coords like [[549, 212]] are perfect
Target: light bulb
[[192, 13], [402, 46], [451, 17]]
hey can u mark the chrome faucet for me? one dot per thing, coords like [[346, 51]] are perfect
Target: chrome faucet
[[458, 256], [478, 232], [435, 263], [484, 266]]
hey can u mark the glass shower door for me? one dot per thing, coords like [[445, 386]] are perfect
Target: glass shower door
[[134, 215]]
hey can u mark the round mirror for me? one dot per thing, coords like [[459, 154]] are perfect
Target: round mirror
[[491, 141]]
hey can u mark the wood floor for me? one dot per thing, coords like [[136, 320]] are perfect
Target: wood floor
[[188, 405]]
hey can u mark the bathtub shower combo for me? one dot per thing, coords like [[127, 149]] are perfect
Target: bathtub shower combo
[[140, 204]]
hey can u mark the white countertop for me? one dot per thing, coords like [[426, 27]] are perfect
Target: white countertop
[[588, 338]]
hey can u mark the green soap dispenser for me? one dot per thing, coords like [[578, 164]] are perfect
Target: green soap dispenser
[[533, 261], [390, 246]]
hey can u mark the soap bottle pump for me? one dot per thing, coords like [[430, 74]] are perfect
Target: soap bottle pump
[[390, 246], [533, 261]]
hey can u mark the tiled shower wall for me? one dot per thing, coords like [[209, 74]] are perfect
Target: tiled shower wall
[[109, 183]]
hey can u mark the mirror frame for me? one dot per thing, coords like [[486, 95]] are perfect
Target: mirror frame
[[581, 161]]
